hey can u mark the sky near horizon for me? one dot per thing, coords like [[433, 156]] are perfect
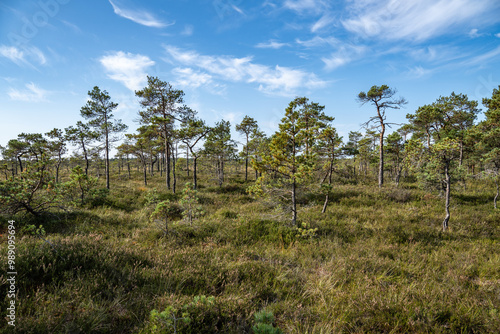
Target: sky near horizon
[[234, 58]]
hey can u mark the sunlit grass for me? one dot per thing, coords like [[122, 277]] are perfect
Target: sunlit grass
[[377, 263]]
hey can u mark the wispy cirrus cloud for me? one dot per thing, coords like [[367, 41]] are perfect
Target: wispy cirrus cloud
[[23, 56], [417, 20], [418, 72], [276, 80], [323, 22], [32, 93], [127, 68], [474, 33], [139, 16], [187, 77], [305, 6], [272, 44], [344, 55], [317, 41], [484, 58]]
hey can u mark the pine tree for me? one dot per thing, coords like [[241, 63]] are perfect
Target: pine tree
[[99, 111]]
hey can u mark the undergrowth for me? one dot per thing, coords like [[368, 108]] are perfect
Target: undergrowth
[[376, 261]]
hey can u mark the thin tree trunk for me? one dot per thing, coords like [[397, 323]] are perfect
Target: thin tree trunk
[[447, 196], [246, 162], [187, 160], [327, 197], [20, 164], [195, 163], [294, 203], [461, 153], [107, 150], [86, 159], [57, 172], [381, 157], [144, 167], [174, 159], [128, 168], [496, 196]]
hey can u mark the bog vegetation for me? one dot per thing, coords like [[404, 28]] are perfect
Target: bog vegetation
[[298, 232]]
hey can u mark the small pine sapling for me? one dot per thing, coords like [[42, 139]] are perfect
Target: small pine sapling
[[190, 203], [164, 212]]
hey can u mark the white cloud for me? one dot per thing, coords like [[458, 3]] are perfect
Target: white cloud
[[238, 9], [322, 23], [484, 58], [188, 30], [33, 93], [318, 41], [474, 33], [272, 44], [301, 6], [187, 77], [418, 72], [335, 61], [416, 19], [12, 53], [139, 16], [437, 54], [72, 26], [23, 56], [497, 35], [344, 55], [127, 68], [278, 80]]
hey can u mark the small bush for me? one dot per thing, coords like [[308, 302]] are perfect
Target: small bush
[[398, 195], [264, 321], [227, 214]]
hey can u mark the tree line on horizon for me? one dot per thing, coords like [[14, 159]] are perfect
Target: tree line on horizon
[[441, 144]]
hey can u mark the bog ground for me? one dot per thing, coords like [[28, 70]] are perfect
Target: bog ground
[[378, 262]]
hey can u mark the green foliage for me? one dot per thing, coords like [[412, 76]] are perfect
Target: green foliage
[[264, 321], [306, 232], [166, 319], [82, 189], [189, 203], [166, 212], [220, 147], [33, 191], [152, 197], [291, 155]]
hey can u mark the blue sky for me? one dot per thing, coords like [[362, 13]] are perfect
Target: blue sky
[[234, 58]]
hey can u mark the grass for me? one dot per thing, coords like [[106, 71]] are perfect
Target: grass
[[378, 262]]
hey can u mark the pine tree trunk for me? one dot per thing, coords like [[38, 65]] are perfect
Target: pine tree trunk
[[246, 162], [496, 196], [327, 197], [174, 159], [294, 203], [187, 161], [381, 157], [167, 155], [144, 167], [447, 196], [86, 159], [195, 163], [128, 168], [20, 164], [107, 151]]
